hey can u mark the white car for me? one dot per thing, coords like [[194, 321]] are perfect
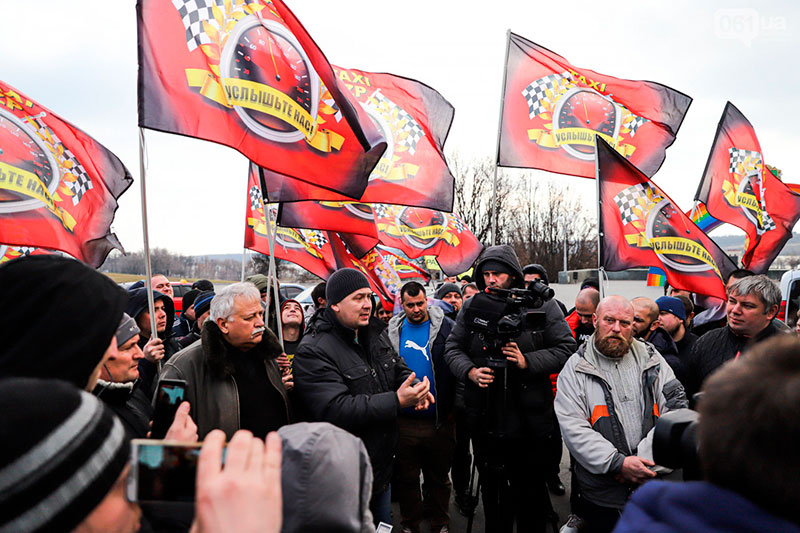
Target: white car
[[790, 297]]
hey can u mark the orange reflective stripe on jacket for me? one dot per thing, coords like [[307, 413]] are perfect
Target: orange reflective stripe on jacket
[[598, 412]]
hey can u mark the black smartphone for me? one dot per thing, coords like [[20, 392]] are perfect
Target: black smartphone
[[162, 471], [168, 398]]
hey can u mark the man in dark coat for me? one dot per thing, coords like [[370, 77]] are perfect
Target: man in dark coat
[[232, 377], [512, 453], [348, 374], [156, 349], [752, 305]]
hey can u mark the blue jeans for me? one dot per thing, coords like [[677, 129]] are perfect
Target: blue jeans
[[381, 506]]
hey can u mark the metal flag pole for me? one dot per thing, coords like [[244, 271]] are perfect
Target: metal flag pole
[[244, 261], [148, 281], [272, 278], [600, 270], [499, 129]]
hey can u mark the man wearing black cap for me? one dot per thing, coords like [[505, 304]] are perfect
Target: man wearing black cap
[[201, 307], [186, 319], [60, 319], [450, 293], [672, 315], [347, 373], [513, 468]]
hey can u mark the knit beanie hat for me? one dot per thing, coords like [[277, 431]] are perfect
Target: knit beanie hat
[[127, 329], [493, 265], [189, 298], [61, 452], [445, 289], [203, 285], [342, 283], [259, 280], [60, 316], [203, 302], [672, 305]]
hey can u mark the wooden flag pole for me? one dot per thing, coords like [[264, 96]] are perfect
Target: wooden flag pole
[[499, 128], [148, 281]]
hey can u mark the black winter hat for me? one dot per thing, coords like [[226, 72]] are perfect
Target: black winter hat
[[188, 298], [445, 289], [61, 452], [342, 283], [60, 316], [536, 268], [203, 302], [203, 285]]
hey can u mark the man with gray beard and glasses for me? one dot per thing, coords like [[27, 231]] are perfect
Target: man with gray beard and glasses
[[610, 394]]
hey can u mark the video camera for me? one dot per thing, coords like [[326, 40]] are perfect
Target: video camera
[[501, 315], [675, 442]]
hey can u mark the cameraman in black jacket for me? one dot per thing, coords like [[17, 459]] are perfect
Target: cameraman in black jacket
[[511, 462]]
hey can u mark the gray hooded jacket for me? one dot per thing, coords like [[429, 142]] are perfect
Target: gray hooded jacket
[[326, 479], [591, 427]]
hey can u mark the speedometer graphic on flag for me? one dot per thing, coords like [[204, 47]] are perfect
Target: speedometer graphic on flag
[[271, 79]]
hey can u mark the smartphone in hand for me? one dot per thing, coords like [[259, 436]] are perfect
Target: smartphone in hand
[[169, 396]]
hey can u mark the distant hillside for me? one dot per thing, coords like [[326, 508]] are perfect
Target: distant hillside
[[727, 242]]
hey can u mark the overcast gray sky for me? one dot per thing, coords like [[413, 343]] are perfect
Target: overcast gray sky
[[79, 59]]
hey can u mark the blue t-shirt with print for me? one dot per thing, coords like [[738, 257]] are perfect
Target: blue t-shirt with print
[[415, 350]]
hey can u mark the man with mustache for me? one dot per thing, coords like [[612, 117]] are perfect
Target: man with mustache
[[610, 394], [232, 378]]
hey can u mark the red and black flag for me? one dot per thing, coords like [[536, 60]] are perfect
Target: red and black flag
[[415, 120], [783, 205], [405, 269], [737, 188], [308, 249], [417, 232], [344, 217], [640, 226], [552, 111], [9, 253], [246, 74], [58, 186], [383, 279]]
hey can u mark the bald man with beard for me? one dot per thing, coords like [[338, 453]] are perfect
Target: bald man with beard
[[610, 394]]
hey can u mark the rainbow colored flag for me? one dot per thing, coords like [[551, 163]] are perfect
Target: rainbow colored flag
[[656, 277], [701, 217]]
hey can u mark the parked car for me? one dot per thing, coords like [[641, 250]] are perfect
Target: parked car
[[306, 303], [179, 288], [291, 290], [790, 297]]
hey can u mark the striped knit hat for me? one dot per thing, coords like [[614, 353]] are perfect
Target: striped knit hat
[[61, 452]]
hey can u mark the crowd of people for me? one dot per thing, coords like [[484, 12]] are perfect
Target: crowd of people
[[331, 415]]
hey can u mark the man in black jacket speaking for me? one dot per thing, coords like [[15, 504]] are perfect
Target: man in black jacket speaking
[[512, 456], [347, 373]]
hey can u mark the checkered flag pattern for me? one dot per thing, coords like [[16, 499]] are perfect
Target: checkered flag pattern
[[381, 210], [740, 156], [23, 250], [634, 124], [630, 199], [255, 198], [412, 129], [83, 182], [193, 13], [457, 223], [536, 92], [767, 221], [315, 238]]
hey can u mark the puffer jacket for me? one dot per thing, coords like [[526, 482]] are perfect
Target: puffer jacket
[[137, 304], [590, 426], [445, 381], [529, 399], [352, 385], [211, 383]]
